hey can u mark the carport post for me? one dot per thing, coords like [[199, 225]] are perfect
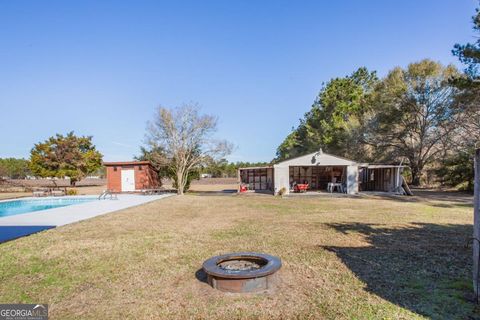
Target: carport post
[[476, 225], [352, 179]]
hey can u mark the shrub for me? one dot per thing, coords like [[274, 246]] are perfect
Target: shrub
[[457, 170], [72, 192]]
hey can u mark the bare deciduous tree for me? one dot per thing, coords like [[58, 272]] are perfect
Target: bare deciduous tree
[[186, 139]]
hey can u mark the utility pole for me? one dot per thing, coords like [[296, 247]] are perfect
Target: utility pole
[[476, 226]]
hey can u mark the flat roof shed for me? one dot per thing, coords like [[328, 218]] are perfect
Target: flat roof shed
[[131, 176]]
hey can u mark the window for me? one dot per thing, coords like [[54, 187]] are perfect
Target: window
[[140, 168], [114, 168]]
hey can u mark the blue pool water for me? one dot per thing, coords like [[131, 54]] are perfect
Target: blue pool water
[[14, 207]]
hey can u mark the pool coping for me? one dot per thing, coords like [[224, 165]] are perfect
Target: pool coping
[[49, 198], [77, 212]]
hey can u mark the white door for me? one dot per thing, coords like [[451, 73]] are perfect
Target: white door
[[128, 180]]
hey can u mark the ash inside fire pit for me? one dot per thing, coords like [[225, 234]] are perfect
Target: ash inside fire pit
[[241, 265]]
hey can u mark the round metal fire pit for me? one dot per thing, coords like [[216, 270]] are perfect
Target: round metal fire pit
[[242, 271]]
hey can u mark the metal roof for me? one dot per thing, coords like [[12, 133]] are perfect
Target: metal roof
[[380, 166], [254, 168], [126, 163]]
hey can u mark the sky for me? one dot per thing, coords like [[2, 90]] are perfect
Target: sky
[[101, 68]]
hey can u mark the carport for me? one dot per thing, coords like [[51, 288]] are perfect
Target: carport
[[317, 177], [257, 178], [318, 169]]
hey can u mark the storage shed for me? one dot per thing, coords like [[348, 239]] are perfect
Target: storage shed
[[131, 176]]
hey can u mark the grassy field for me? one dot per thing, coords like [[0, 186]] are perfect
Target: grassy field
[[14, 195], [343, 258]]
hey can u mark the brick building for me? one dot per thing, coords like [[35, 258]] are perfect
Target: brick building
[[131, 176]]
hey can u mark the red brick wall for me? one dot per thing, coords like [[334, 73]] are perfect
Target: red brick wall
[[146, 178], [114, 179]]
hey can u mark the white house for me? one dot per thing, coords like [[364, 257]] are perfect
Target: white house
[[320, 170]]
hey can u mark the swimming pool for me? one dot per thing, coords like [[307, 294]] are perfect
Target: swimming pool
[[14, 207]]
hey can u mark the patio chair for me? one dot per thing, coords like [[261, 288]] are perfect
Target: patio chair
[[40, 192], [58, 193], [301, 187]]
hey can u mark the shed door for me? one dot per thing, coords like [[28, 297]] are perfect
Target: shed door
[[128, 180]]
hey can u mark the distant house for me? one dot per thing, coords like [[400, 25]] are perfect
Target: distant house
[[131, 176], [322, 171]]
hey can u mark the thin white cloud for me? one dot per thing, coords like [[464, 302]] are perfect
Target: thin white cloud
[[122, 144], [116, 157]]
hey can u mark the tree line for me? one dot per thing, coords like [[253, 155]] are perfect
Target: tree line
[[426, 116], [226, 169], [14, 168]]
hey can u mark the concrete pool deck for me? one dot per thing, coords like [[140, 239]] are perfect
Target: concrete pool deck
[[19, 225]]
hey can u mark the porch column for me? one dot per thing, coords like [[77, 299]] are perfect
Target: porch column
[[352, 179], [281, 178], [239, 180]]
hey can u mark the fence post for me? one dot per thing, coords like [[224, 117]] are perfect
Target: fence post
[[476, 225]]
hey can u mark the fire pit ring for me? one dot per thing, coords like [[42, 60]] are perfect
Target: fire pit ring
[[242, 271]]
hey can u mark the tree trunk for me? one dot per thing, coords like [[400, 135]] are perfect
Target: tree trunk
[[416, 174], [179, 183], [415, 179]]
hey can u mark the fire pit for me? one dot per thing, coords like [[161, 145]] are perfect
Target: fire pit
[[242, 271]]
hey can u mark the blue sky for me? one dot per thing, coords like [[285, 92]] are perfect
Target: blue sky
[[101, 67]]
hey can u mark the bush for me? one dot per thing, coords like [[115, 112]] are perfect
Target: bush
[[457, 170], [72, 192], [191, 176]]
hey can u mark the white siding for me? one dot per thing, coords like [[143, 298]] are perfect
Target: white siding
[[317, 159], [352, 179], [281, 178]]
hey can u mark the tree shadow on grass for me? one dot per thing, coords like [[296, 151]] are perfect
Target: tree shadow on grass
[[425, 268], [439, 199]]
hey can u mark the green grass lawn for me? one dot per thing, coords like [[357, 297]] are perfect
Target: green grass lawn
[[343, 258]]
